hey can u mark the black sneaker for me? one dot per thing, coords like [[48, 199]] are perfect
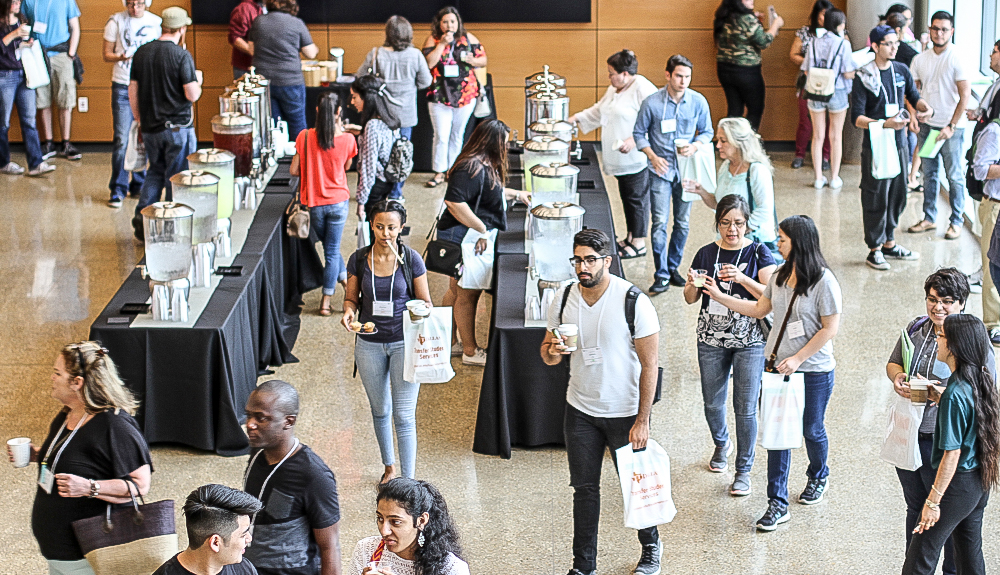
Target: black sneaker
[[898, 252], [720, 459], [797, 163], [813, 493], [649, 561], [578, 572], [70, 152], [995, 336], [660, 285], [48, 149], [776, 515], [876, 261], [826, 165], [676, 279]]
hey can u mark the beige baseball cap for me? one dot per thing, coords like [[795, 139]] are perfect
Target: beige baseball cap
[[175, 17]]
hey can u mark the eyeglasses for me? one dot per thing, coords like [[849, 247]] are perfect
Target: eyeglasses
[[136, 3], [589, 261], [936, 29], [890, 44], [945, 302], [738, 224]]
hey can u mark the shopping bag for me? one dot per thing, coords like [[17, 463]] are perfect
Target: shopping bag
[[701, 168], [782, 402], [428, 347], [885, 155], [135, 151], [477, 270], [362, 234], [36, 74], [645, 480], [900, 446]]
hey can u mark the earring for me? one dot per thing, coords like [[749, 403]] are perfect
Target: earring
[[420, 538]]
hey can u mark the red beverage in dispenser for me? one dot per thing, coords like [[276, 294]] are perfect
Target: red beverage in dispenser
[[239, 144]]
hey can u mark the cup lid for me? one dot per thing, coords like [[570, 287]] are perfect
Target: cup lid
[[557, 211], [167, 211], [549, 125], [548, 96], [232, 119], [555, 170], [546, 144], [194, 179], [212, 156]]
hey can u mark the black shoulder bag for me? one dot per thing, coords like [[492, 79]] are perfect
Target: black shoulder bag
[[443, 256]]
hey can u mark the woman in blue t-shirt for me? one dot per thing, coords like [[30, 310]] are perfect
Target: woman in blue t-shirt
[[728, 340], [380, 299], [966, 452]]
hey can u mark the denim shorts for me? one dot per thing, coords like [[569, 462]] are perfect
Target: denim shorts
[[453, 234], [837, 103]]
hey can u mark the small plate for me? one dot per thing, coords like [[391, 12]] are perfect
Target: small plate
[[374, 331]]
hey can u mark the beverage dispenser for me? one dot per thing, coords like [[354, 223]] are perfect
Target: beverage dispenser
[[200, 191], [553, 225], [546, 105], [167, 228], [545, 76], [221, 163], [542, 149], [552, 127], [553, 182], [234, 132], [243, 101]]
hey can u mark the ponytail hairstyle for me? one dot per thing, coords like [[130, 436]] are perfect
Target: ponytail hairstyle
[[326, 119], [440, 534], [374, 93], [969, 344], [102, 388]]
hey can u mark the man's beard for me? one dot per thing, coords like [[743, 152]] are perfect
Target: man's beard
[[594, 279]]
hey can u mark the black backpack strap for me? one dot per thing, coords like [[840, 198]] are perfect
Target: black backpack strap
[[565, 298], [631, 297], [749, 189], [404, 253]]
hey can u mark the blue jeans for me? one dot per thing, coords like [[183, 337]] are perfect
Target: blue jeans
[[380, 366], [14, 92], [661, 193], [397, 188], [747, 364], [121, 114], [916, 489], [819, 388], [328, 221], [951, 153], [288, 103], [167, 152], [586, 439]]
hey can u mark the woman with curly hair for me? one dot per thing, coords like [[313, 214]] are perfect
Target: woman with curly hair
[[416, 534]]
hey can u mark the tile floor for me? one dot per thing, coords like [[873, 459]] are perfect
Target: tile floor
[[63, 254]]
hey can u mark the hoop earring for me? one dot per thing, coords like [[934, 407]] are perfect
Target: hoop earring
[[420, 538]]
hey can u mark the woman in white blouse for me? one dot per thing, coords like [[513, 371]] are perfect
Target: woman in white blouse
[[615, 114]]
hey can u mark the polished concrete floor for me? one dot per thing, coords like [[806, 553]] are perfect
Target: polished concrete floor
[[63, 253]]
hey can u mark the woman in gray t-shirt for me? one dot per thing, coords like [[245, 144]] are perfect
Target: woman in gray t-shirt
[[813, 318]]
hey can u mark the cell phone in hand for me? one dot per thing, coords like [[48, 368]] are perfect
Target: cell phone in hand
[[771, 14]]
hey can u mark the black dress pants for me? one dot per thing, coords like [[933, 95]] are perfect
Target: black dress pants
[[743, 87], [882, 201], [634, 190]]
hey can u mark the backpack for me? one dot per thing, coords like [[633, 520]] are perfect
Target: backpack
[[400, 160], [631, 297], [974, 186]]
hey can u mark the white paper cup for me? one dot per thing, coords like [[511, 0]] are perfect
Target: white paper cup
[[418, 309], [20, 447], [918, 391], [570, 333], [681, 143]]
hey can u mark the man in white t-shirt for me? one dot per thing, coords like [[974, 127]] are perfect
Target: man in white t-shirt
[[611, 385], [123, 34], [942, 81]]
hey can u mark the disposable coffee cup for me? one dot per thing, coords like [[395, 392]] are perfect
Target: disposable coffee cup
[[570, 333], [200, 76], [699, 277], [418, 310], [20, 447], [680, 143], [918, 391]]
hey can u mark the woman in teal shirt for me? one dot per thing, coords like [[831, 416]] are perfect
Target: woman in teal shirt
[[966, 452]]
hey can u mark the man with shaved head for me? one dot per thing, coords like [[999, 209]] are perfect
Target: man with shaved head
[[298, 531]]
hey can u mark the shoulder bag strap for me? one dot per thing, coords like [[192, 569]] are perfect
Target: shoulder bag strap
[[781, 333], [565, 298], [631, 297], [750, 189]]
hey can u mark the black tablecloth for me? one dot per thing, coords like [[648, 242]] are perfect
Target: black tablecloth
[[193, 383]]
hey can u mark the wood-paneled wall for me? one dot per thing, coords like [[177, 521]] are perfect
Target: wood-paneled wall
[[654, 29]]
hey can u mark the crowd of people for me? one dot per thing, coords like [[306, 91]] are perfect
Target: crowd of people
[[768, 300]]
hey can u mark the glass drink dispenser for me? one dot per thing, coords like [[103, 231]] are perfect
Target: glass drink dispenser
[[553, 226], [542, 150], [552, 127], [554, 182], [200, 191], [233, 131], [167, 229], [221, 163]]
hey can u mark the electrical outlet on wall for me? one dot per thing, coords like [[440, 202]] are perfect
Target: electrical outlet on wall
[[83, 104]]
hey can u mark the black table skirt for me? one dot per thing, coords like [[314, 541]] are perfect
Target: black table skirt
[[193, 383]]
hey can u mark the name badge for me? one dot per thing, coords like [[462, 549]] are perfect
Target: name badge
[[46, 479], [451, 70], [796, 329], [382, 308], [716, 308], [592, 356], [891, 110], [667, 126], [40, 27]]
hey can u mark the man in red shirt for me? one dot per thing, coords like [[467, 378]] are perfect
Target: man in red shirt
[[239, 26]]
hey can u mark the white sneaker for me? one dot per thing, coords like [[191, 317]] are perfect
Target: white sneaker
[[836, 183], [457, 350], [12, 169], [41, 169], [820, 183], [478, 359]]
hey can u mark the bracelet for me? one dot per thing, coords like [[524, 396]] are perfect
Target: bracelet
[[934, 487], [95, 489], [931, 505]]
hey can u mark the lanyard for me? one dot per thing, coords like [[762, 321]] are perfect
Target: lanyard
[[739, 256], [392, 280], [931, 358], [579, 317], [266, 479], [666, 99], [59, 453]]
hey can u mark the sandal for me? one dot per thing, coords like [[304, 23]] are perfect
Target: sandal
[[325, 311], [434, 182], [624, 248]]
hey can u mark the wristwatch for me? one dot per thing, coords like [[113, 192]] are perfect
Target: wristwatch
[[95, 489], [952, 126]]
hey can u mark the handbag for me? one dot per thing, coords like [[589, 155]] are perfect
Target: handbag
[[400, 160], [427, 357], [444, 256], [782, 404], [900, 446], [297, 224], [769, 364], [129, 541], [645, 479], [36, 72], [885, 154], [821, 83]]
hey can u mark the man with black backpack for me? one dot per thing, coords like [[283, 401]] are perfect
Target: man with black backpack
[[613, 377]]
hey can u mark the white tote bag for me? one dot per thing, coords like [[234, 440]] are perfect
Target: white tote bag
[[362, 234], [477, 270], [701, 168], [900, 446], [782, 402], [885, 155], [645, 480], [428, 347], [135, 151], [36, 74]]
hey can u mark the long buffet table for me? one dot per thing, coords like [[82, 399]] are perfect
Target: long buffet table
[[193, 382], [522, 400]]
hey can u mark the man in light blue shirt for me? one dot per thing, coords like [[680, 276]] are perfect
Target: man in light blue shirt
[[56, 24], [675, 120]]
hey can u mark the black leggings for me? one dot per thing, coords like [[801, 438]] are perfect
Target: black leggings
[[634, 190], [743, 86]]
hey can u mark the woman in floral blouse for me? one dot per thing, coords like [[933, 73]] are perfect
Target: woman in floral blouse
[[740, 38], [452, 56]]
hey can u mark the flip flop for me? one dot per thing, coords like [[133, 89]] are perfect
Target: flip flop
[[636, 253], [434, 182], [325, 311]]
